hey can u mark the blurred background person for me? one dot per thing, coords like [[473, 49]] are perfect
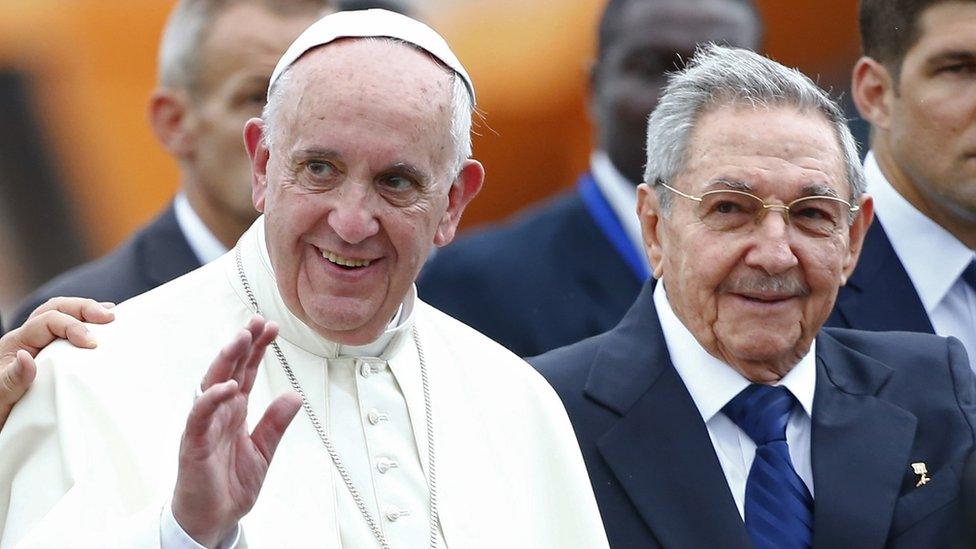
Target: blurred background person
[[215, 59], [917, 88], [571, 268]]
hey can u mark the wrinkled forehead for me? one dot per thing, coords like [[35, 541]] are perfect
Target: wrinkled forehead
[[365, 70], [771, 149]]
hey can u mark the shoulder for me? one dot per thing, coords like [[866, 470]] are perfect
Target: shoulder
[[568, 368], [909, 353], [492, 363], [113, 277], [930, 375], [116, 276]]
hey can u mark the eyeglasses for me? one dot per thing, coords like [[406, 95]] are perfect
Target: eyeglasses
[[728, 210]]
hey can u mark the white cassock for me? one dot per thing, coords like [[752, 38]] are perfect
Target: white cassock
[[89, 456]]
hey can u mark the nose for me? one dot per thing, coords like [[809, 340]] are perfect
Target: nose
[[772, 249], [352, 217]]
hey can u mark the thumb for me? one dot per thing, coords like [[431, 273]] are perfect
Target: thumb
[[268, 432], [16, 378]]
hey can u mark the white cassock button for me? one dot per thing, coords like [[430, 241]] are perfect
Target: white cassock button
[[374, 416], [365, 369], [393, 513], [385, 464]]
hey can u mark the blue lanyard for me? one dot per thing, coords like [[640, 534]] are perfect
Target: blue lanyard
[[605, 218]]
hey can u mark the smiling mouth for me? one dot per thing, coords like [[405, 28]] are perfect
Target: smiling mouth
[[345, 262], [765, 299]]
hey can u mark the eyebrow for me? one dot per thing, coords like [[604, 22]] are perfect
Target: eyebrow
[[316, 153], [951, 56], [813, 189], [730, 184]]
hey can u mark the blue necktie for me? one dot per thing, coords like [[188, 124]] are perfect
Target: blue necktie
[[969, 275], [779, 507]]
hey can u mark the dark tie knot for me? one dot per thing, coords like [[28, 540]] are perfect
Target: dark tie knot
[[762, 411]]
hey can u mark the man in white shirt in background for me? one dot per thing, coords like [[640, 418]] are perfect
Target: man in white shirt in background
[[215, 57], [917, 89], [412, 429]]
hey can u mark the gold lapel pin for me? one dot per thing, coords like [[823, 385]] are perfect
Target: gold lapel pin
[[922, 472]]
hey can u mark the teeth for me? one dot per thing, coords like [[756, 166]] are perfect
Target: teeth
[[339, 260]]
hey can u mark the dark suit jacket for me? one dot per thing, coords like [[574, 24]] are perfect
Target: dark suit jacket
[[882, 401], [879, 295], [548, 278], [154, 255]]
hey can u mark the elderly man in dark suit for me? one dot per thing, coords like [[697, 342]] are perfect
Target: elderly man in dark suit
[[718, 413], [916, 87], [214, 62], [569, 269]]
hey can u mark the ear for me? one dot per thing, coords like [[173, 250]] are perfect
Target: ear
[[258, 153], [857, 232], [873, 91], [172, 120], [649, 213], [465, 187]]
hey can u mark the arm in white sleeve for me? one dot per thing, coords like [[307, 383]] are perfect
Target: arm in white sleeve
[[172, 535]]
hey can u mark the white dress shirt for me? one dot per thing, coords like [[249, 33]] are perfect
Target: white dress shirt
[[201, 240], [713, 383], [621, 193], [932, 257]]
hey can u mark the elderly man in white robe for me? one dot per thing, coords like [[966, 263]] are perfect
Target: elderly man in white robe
[[410, 429]]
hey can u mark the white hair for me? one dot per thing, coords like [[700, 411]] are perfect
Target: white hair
[[180, 46], [462, 109], [186, 30], [719, 76]]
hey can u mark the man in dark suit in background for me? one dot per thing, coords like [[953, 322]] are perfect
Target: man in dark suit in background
[[917, 88], [571, 268], [215, 59], [718, 413]]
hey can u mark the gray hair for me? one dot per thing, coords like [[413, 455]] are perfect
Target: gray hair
[[462, 109], [719, 76], [186, 30]]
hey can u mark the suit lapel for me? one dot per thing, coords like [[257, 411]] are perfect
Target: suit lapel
[[860, 449], [659, 450], [880, 296], [164, 253]]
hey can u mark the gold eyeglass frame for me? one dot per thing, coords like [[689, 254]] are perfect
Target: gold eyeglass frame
[[785, 208]]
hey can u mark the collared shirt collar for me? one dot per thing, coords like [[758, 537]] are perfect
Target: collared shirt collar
[[621, 193], [933, 258], [713, 383], [202, 241], [261, 277]]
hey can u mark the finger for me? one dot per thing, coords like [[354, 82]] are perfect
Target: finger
[[80, 308], [204, 407], [257, 354], [255, 327], [222, 368], [16, 378], [97, 313], [268, 432], [38, 332]]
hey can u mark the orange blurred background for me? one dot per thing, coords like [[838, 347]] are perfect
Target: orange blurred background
[[90, 67]]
